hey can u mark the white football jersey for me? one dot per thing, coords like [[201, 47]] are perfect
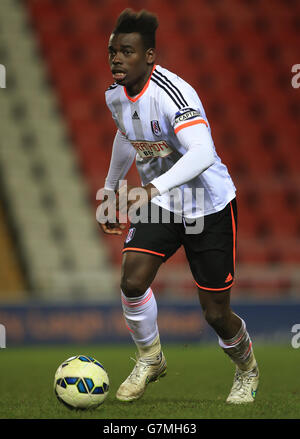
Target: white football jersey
[[152, 121]]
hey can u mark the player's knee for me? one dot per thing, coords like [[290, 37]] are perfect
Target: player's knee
[[132, 286], [216, 317]]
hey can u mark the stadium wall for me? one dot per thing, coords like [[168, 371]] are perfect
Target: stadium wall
[[36, 324]]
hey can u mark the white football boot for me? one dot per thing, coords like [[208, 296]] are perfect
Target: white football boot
[[244, 387], [143, 373]]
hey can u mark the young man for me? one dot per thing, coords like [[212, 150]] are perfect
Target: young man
[[162, 124]]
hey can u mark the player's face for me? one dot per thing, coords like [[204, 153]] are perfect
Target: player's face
[[130, 63]]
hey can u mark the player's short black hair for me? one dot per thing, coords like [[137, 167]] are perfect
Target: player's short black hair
[[143, 22]]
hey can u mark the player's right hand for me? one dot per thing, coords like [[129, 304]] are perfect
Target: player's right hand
[[106, 213]]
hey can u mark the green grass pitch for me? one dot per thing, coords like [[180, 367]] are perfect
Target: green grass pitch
[[197, 383]]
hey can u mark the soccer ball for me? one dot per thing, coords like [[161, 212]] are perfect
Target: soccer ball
[[81, 382]]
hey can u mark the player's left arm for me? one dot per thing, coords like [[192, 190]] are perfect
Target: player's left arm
[[200, 155], [193, 133]]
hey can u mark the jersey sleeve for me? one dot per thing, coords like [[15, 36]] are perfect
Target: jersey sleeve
[[200, 156], [109, 100], [123, 153], [192, 131], [181, 105], [122, 157]]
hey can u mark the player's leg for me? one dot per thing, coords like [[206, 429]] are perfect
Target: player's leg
[[140, 313], [211, 256], [147, 246], [230, 328], [235, 342], [218, 313], [138, 300]]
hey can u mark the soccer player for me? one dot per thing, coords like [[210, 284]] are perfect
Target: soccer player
[[161, 124]]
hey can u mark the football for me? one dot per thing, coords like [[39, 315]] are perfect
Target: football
[[81, 382]]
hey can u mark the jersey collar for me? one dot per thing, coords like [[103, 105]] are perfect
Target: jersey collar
[[144, 88]]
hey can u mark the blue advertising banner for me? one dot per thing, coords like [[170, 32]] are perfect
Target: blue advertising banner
[[98, 323]]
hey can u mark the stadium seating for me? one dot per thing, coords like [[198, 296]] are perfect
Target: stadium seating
[[12, 279], [48, 199], [238, 55]]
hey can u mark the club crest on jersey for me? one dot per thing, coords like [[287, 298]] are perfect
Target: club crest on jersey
[[130, 234], [155, 127]]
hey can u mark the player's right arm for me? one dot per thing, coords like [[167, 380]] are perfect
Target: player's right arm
[[123, 155]]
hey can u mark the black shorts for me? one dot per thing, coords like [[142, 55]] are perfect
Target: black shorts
[[210, 253]]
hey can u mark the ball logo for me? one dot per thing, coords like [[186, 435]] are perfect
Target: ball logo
[[130, 234], [155, 127]]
